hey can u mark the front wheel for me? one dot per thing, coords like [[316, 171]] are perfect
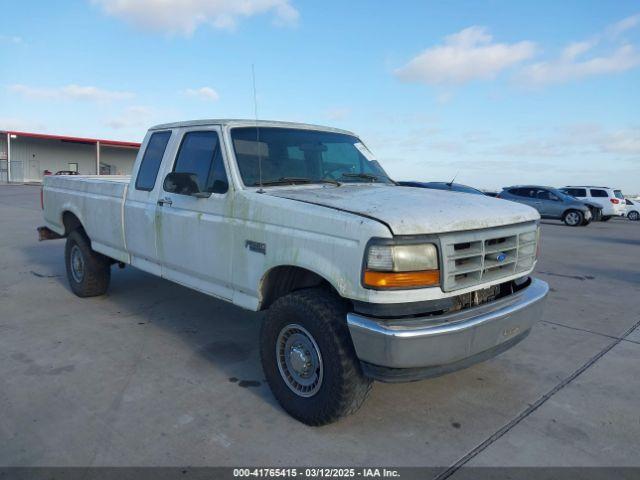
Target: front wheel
[[308, 357], [573, 218], [88, 271], [633, 216]]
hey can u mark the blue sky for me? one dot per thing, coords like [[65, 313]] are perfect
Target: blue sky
[[497, 92]]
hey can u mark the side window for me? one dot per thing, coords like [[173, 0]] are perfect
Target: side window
[[599, 193], [542, 195], [519, 192], [151, 161], [200, 154]]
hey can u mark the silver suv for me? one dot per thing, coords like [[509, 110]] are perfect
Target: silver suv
[[550, 203]]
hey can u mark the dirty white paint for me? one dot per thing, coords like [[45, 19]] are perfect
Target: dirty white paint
[[415, 211], [201, 242]]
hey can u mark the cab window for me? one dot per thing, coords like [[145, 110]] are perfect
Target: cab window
[[200, 154]]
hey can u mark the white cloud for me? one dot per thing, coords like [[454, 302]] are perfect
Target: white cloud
[[71, 92], [134, 116], [577, 139], [185, 16], [569, 67], [624, 25], [203, 93], [601, 54], [467, 55]]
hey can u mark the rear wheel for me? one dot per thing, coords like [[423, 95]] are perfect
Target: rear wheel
[[88, 272], [308, 357], [633, 216], [573, 218]]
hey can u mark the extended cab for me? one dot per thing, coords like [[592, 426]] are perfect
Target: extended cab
[[362, 280]]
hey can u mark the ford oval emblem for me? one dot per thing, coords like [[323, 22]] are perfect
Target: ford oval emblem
[[501, 257]]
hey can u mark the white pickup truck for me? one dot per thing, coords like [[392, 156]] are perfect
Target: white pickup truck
[[362, 279]]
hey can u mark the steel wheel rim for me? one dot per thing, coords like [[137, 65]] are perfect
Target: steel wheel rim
[[77, 264], [573, 218], [299, 360]]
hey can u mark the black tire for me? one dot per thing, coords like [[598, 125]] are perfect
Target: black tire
[[573, 218], [606, 218], [92, 279], [633, 216], [586, 222], [342, 387]]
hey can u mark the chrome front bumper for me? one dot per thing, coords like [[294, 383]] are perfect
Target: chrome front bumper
[[448, 339]]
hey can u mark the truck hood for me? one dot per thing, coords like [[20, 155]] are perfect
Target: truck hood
[[414, 211]]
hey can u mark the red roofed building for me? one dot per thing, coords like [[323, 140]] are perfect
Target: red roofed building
[[27, 157]]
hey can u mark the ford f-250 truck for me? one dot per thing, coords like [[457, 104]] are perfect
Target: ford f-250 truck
[[362, 280]]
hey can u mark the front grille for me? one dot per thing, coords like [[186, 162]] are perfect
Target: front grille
[[482, 256]]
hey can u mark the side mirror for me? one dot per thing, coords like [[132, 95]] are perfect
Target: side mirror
[[183, 183]]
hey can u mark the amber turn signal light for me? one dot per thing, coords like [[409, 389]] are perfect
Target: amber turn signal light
[[423, 278]]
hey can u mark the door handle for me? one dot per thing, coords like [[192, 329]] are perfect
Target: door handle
[[165, 200]]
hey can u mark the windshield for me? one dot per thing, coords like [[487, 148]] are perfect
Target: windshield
[[291, 156], [618, 194]]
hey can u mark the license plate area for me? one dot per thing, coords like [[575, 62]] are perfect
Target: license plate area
[[478, 297]]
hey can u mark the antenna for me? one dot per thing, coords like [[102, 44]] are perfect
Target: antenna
[[453, 179], [255, 111]]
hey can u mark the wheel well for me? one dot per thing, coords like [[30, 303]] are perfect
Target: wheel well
[[71, 223], [280, 281]]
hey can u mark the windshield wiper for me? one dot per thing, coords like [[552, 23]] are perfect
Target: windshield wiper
[[294, 180], [366, 176]]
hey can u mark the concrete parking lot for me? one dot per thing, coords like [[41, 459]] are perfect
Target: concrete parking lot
[[155, 374]]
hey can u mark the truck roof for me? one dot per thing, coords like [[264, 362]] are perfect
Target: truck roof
[[233, 122]]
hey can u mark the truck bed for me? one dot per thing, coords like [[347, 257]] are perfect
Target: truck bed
[[97, 201]]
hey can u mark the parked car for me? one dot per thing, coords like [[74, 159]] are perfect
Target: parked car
[[362, 279], [611, 200], [550, 203], [450, 186], [633, 209]]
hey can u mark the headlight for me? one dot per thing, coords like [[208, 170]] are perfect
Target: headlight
[[401, 266]]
